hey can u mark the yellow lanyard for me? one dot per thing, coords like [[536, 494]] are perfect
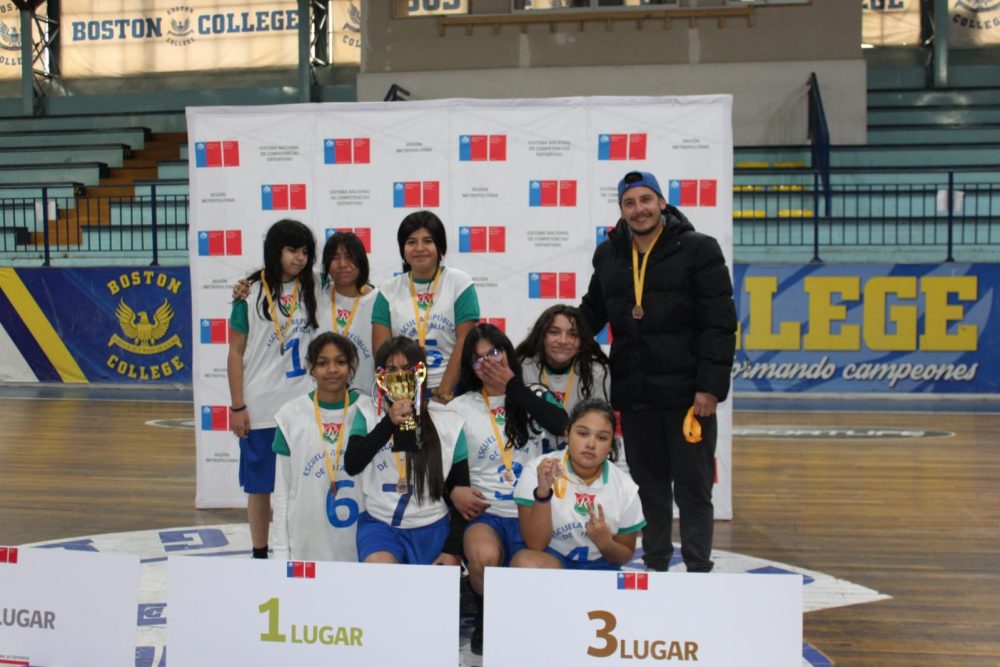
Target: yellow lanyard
[[333, 314], [280, 331], [569, 384], [507, 454], [639, 274], [332, 466], [401, 485], [422, 324], [559, 485]]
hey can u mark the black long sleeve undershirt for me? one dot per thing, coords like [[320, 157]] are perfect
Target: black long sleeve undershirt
[[552, 417], [361, 449]]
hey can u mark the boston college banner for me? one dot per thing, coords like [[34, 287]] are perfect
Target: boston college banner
[[526, 189]]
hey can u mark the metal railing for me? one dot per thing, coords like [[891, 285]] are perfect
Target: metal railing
[[939, 214], [142, 226]]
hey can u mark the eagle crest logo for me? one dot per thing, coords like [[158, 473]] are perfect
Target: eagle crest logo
[[141, 333]]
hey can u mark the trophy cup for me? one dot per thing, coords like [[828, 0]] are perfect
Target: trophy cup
[[405, 384]]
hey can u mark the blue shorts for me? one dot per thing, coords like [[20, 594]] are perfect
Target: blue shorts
[[507, 529], [257, 461], [574, 564], [415, 546]]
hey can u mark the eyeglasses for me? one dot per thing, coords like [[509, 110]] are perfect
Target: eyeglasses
[[478, 361]]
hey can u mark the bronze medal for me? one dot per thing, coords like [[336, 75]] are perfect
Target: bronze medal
[[333, 489], [509, 477], [402, 488], [637, 312]]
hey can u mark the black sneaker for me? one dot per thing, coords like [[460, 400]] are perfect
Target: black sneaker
[[476, 644]]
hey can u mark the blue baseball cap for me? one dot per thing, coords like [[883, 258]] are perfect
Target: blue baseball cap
[[638, 179]]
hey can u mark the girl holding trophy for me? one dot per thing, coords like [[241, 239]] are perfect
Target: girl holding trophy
[[265, 368], [408, 461], [497, 407], [435, 305], [577, 510], [316, 504], [561, 354]]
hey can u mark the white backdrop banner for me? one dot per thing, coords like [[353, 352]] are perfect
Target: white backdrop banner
[[67, 608], [619, 618], [265, 613], [526, 189]]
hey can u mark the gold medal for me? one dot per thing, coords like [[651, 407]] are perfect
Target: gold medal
[[402, 487], [637, 312], [639, 272], [509, 477]]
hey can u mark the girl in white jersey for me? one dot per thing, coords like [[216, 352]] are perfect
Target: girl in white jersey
[[406, 475], [497, 407], [345, 302], [435, 305], [561, 354], [577, 510], [316, 503], [268, 335]]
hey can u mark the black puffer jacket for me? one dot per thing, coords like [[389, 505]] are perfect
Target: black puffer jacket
[[686, 339]]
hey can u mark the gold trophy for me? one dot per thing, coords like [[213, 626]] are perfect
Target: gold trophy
[[397, 385]]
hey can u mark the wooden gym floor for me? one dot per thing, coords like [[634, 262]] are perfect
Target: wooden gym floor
[[915, 518]]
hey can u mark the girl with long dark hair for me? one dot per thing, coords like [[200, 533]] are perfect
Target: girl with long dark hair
[[268, 335], [406, 475], [560, 353]]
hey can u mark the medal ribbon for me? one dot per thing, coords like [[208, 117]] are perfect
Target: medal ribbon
[[400, 467], [280, 331], [333, 314], [422, 324], [639, 274], [331, 466], [506, 454], [569, 385], [559, 485]]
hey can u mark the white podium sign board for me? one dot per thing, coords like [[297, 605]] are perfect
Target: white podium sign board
[[67, 608], [611, 618], [267, 612]]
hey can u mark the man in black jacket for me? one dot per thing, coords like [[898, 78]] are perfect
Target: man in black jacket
[[668, 296]]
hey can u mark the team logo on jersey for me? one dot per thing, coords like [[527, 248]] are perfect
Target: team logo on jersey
[[425, 300], [331, 431], [560, 395], [286, 301], [584, 503], [342, 316], [499, 415]]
